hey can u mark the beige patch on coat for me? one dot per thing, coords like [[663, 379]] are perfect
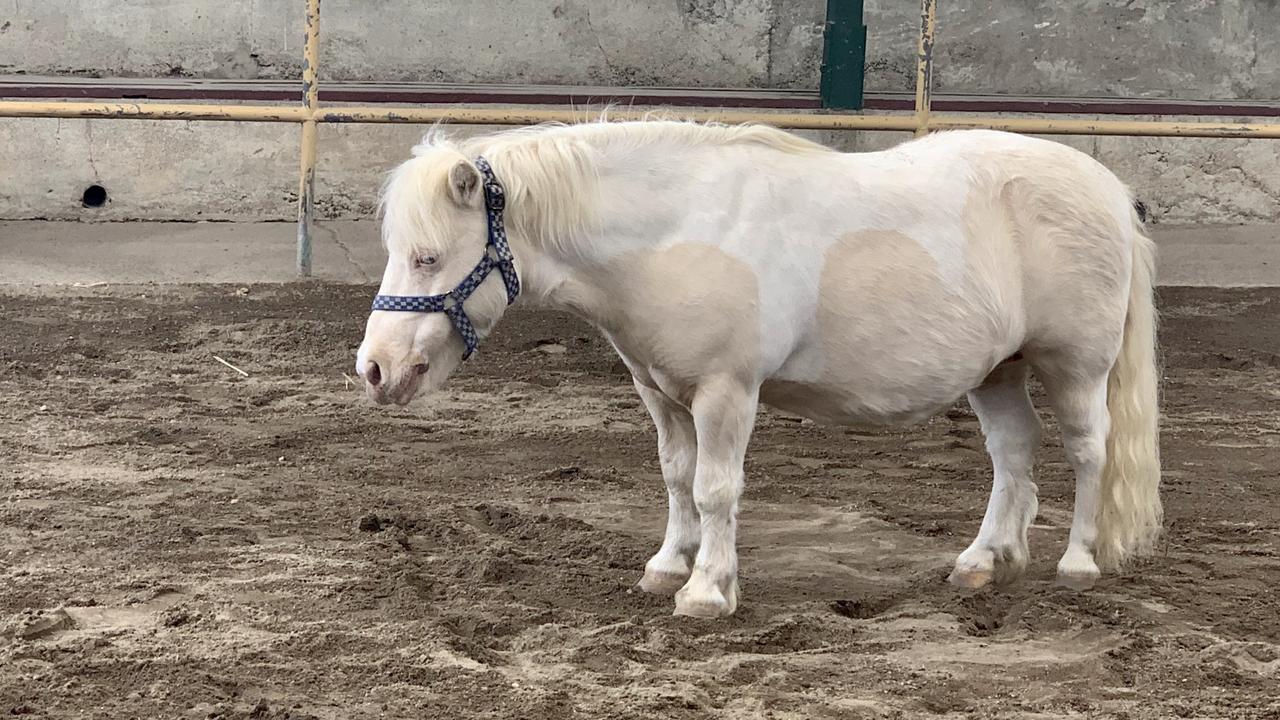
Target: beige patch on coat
[[895, 341], [678, 315]]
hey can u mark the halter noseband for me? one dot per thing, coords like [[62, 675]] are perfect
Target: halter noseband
[[497, 255]]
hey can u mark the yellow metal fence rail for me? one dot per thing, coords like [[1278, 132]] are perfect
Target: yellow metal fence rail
[[309, 114]]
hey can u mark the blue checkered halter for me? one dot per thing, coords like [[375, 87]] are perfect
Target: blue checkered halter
[[497, 255]]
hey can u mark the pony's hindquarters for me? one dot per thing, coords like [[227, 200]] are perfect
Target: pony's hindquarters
[[1129, 514], [1091, 342]]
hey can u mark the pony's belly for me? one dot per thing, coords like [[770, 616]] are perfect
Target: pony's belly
[[834, 405]]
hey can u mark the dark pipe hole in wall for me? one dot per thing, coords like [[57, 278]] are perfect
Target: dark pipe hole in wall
[[95, 196]]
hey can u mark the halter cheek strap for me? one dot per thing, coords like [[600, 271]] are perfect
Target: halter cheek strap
[[497, 256]]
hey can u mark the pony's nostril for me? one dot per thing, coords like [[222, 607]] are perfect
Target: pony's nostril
[[373, 374], [420, 368]]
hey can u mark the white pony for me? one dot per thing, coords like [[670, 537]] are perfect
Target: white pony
[[731, 266]]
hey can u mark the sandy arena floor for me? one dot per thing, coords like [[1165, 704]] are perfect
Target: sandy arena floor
[[177, 541]]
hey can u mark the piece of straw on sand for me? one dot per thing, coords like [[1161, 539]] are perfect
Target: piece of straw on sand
[[233, 367]]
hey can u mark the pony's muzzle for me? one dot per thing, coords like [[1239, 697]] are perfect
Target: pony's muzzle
[[384, 385]]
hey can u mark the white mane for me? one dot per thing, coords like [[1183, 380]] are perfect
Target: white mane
[[551, 171]]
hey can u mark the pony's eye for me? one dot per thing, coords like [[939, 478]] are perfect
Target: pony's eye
[[424, 261]]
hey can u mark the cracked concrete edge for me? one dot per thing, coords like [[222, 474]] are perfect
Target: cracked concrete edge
[[346, 251]]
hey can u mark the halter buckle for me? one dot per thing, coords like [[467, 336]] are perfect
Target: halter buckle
[[495, 197]]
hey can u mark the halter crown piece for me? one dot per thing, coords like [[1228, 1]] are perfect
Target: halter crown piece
[[497, 255]]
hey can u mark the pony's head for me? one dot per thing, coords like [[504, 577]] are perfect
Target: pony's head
[[435, 232]]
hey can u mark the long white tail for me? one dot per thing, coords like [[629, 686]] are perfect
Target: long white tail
[[1130, 515]]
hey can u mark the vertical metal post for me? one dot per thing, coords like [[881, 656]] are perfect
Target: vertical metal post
[[844, 56], [924, 64], [311, 101]]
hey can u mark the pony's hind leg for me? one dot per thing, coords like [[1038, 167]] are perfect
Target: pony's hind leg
[[1080, 404], [670, 568], [1012, 429]]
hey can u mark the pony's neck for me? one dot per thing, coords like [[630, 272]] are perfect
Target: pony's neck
[[582, 199], [551, 277], [560, 242]]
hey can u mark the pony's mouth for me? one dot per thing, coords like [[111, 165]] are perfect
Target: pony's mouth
[[401, 393]]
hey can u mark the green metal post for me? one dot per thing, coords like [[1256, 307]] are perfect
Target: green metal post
[[844, 54]]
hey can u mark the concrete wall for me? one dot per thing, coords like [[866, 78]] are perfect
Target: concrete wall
[[162, 170], [1191, 49], [230, 171], [1164, 48], [656, 42]]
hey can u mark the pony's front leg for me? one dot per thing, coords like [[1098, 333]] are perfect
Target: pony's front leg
[[723, 414], [667, 571]]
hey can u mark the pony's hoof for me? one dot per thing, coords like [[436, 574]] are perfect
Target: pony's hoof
[[1082, 578], [1078, 571], [970, 577], [981, 565], [708, 607], [656, 582], [707, 602], [1078, 581]]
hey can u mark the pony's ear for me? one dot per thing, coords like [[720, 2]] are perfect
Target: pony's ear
[[464, 184]]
